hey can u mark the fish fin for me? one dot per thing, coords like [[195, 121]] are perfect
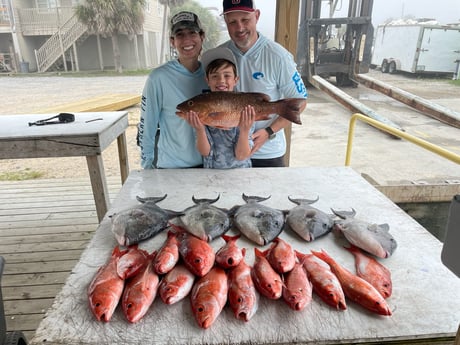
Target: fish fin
[[261, 97], [154, 199], [248, 198], [200, 201], [300, 201], [376, 227], [385, 227], [344, 214]]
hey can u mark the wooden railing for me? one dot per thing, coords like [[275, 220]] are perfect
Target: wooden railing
[[57, 44], [36, 21]]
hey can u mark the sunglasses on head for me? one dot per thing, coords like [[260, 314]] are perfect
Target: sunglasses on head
[[61, 118]]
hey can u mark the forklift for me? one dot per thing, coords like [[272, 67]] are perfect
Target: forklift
[[331, 46]]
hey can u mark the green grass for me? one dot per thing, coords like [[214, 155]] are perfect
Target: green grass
[[20, 175], [455, 82]]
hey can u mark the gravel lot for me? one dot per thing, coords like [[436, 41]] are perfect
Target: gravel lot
[[320, 141]]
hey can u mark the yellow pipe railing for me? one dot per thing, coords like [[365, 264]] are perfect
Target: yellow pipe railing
[[396, 132]]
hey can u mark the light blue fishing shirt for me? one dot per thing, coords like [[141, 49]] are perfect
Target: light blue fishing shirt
[[167, 86], [269, 68]]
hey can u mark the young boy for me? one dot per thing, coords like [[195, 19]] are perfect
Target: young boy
[[223, 148]]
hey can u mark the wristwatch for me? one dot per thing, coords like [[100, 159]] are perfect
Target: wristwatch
[[271, 134]]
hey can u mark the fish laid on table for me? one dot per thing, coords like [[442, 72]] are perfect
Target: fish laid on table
[[168, 255], [141, 222], [140, 292], [307, 221], [208, 297], [229, 255], [259, 223], [106, 288], [132, 262], [176, 284], [325, 283], [198, 255], [297, 289], [372, 271], [373, 238], [266, 280], [205, 220], [281, 256], [356, 288], [243, 296], [223, 109]]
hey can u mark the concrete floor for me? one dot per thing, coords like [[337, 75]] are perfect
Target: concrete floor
[[320, 141]]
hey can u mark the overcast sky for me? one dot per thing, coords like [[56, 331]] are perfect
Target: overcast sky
[[444, 11]]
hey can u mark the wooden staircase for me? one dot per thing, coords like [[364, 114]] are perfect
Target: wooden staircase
[[56, 46]]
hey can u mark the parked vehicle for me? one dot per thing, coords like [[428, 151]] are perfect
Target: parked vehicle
[[416, 48]]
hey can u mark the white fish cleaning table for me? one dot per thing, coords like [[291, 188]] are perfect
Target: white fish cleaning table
[[88, 135], [426, 295]]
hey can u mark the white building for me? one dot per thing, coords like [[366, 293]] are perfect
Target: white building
[[39, 35]]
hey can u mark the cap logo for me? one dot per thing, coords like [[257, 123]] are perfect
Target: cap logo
[[183, 17]]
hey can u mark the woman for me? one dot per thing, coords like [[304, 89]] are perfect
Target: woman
[[166, 141]]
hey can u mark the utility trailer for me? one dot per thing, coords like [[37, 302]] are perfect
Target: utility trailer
[[416, 48]]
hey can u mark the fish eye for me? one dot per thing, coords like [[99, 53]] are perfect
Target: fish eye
[[190, 103]]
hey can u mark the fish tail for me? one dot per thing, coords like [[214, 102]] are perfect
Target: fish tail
[[353, 249], [301, 256], [291, 108], [117, 252], [258, 252], [323, 255], [176, 229], [228, 238]]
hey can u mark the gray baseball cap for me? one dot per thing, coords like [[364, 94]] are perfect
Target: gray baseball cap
[[217, 53]]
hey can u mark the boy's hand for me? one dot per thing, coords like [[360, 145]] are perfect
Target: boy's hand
[[193, 120], [247, 118]]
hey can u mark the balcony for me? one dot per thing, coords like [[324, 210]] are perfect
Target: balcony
[[39, 21]]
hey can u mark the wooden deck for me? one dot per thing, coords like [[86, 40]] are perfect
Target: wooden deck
[[44, 227]]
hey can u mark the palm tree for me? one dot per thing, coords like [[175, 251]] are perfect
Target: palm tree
[[110, 18], [166, 5]]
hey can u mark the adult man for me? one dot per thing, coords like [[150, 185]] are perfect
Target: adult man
[[264, 66]]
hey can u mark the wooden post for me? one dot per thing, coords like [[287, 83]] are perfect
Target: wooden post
[[457, 338], [286, 27]]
